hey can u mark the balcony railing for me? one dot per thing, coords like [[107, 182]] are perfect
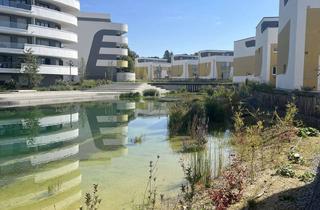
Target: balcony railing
[[8, 3], [13, 45], [10, 24]]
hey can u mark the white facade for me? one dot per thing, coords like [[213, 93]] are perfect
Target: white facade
[[156, 68], [294, 12], [214, 57], [184, 61], [266, 36], [243, 48], [44, 27]]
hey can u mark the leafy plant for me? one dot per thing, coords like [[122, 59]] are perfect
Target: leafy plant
[[231, 191], [295, 158], [307, 177], [308, 132], [285, 171]]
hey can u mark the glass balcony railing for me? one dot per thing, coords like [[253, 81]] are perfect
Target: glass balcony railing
[[15, 4], [9, 24], [13, 45]]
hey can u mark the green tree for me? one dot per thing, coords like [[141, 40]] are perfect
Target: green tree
[[31, 69], [132, 55], [82, 69], [167, 55]]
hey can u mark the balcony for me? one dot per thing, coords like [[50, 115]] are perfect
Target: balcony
[[72, 4], [53, 15], [41, 50], [17, 5], [113, 51], [116, 39], [121, 28], [112, 63], [52, 33], [45, 70]]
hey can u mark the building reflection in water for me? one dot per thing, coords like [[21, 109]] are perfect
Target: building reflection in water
[[41, 150]]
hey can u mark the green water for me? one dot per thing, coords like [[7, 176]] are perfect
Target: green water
[[51, 156]]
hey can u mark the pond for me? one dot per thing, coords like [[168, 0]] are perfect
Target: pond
[[50, 156]]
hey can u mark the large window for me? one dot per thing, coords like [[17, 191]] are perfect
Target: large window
[[251, 43], [269, 24]]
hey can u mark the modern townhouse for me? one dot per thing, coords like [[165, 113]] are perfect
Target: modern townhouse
[[266, 50], [151, 68], [45, 27], [215, 64], [244, 60], [102, 46], [298, 45], [184, 67]]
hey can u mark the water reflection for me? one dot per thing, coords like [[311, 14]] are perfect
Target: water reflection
[[51, 156]]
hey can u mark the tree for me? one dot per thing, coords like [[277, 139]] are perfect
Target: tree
[[82, 69], [167, 55], [31, 69], [132, 55]]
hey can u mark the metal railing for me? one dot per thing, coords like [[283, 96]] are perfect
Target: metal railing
[[13, 45], [15, 4]]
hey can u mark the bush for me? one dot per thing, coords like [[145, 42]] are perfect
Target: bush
[[286, 171], [151, 93], [308, 132], [307, 177], [131, 96], [10, 85]]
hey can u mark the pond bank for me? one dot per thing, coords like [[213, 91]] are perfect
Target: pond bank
[[22, 99]]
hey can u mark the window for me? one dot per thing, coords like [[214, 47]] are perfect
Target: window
[[269, 24], [274, 70], [286, 2], [251, 43]]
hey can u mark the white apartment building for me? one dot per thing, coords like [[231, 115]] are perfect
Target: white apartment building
[[266, 50], [102, 46], [244, 60], [45, 27], [151, 68], [215, 64], [298, 45]]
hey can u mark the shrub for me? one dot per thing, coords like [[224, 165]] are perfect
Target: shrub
[[308, 132], [286, 171], [87, 84], [295, 158], [10, 84], [151, 93], [233, 182], [131, 96], [307, 177]]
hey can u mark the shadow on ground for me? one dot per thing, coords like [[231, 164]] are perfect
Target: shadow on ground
[[304, 198]]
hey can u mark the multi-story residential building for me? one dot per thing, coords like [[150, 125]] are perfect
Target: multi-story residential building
[[102, 46], [215, 64], [244, 60], [298, 44], [44, 27], [184, 66], [266, 53], [151, 68]]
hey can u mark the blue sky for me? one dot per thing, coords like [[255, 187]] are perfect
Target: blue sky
[[184, 26]]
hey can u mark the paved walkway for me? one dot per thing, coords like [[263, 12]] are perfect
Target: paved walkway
[[16, 99], [105, 92]]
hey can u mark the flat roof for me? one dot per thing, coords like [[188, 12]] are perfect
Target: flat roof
[[94, 16], [246, 39]]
